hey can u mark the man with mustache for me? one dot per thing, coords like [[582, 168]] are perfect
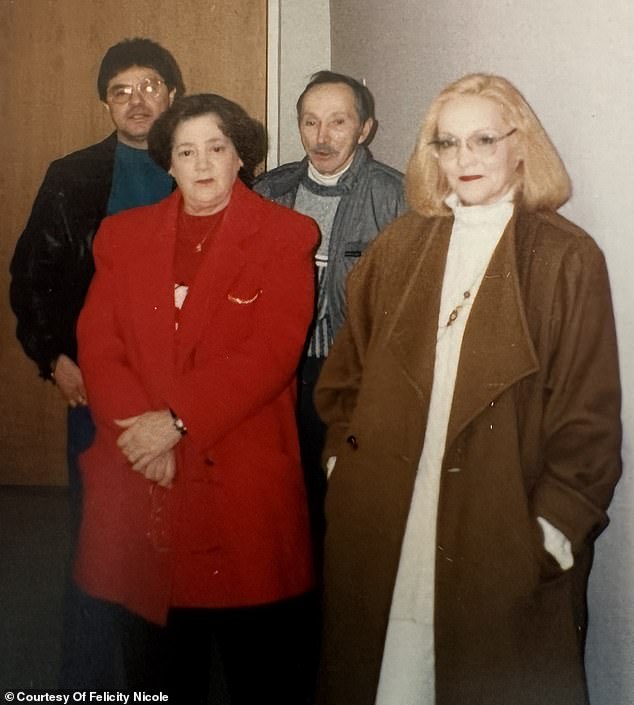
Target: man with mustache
[[52, 267], [352, 197]]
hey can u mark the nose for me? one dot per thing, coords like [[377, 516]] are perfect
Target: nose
[[465, 154], [136, 97], [202, 161], [322, 133]]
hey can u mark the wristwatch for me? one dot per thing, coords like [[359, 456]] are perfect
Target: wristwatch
[[179, 424]]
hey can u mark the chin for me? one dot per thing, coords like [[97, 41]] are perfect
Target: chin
[[472, 199], [324, 169]]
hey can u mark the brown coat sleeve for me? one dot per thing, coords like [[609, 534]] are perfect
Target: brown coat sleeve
[[581, 416]]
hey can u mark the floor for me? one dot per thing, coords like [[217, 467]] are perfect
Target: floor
[[34, 559], [34, 545]]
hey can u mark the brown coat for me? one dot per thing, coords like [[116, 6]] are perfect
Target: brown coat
[[534, 431]]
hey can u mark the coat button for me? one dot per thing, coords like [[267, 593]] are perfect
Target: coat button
[[352, 442]]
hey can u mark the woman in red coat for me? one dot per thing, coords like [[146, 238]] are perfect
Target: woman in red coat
[[195, 517]]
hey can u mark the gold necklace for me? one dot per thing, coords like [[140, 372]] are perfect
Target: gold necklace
[[199, 246], [454, 314], [466, 295]]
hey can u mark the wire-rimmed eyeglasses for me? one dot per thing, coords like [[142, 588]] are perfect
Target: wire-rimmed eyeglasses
[[151, 88], [482, 144]]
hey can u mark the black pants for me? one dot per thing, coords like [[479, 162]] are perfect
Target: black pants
[[312, 435], [91, 653], [89, 646], [263, 651]]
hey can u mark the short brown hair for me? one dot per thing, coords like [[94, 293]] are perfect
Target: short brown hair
[[542, 179]]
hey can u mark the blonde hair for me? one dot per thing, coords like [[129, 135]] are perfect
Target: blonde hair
[[542, 179]]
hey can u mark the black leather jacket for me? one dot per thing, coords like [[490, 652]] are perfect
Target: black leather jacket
[[52, 264]]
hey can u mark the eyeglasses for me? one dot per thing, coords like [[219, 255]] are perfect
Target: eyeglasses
[[150, 88], [482, 144]]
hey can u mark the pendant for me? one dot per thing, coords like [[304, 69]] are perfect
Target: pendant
[[454, 314]]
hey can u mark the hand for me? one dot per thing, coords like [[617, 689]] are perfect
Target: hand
[[69, 381], [147, 437], [161, 470]]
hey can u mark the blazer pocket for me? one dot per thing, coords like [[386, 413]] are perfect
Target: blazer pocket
[[235, 319], [244, 298]]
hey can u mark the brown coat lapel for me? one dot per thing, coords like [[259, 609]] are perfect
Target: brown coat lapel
[[412, 338], [497, 350]]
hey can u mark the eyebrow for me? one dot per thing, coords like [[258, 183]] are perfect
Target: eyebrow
[[339, 113], [480, 129], [211, 140], [133, 83]]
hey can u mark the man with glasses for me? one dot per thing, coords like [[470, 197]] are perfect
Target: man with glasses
[[52, 266]]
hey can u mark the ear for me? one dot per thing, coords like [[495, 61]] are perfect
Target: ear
[[105, 105], [172, 95], [366, 128], [520, 149]]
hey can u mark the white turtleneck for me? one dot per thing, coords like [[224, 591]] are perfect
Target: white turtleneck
[[326, 179]]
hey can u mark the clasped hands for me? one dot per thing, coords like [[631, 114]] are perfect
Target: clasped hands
[[148, 442]]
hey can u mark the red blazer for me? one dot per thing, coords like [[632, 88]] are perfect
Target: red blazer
[[233, 529]]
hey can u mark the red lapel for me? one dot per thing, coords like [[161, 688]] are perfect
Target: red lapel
[[151, 283], [221, 265]]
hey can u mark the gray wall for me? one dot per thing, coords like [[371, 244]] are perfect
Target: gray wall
[[573, 60], [299, 45]]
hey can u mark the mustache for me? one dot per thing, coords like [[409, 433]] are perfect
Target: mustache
[[324, 150]]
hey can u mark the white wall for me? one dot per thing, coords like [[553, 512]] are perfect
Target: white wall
[[573, 60], [299, 45]]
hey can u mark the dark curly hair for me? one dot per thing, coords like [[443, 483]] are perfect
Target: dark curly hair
[[139, 52], [247, 135]]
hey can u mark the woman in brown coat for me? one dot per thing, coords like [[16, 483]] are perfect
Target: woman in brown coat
[[473, 406]]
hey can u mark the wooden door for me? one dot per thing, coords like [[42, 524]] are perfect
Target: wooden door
[[50, 51]]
